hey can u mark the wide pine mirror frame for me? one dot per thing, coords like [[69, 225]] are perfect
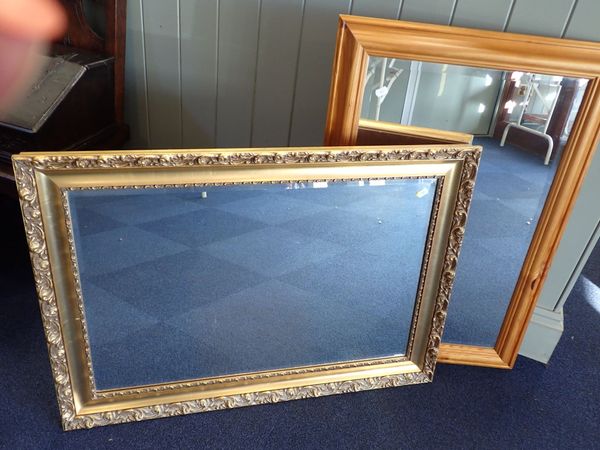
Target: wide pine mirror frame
[[360, 38]]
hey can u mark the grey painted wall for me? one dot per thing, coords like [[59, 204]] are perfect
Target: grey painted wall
[[454, 104], [239, 73], [447, 97], [205, 73]]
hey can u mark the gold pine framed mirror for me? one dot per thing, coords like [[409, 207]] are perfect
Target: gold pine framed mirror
[[532, 103], [174, 282]]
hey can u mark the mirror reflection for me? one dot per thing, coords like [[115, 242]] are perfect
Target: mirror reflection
[[214, 280], [522, 121]]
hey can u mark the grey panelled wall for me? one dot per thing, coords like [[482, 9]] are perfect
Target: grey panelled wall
[[240, 73]]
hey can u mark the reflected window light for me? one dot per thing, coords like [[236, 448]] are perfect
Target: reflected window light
[[488, 79], [582, 82], [557, 78], [510, 106], [516, 77], [319, 184], [422, 193], [382, 92], [376, 182], [591, 293], [551, 96], [361, 183], [481, 108]]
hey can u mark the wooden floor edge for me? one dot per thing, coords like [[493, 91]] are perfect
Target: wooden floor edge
[[471, 355]]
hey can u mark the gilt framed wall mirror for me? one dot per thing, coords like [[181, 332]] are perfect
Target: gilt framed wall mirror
[[532, 103], [173, 282]]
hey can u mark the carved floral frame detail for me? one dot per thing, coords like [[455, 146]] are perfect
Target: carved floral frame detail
[[79, 403]]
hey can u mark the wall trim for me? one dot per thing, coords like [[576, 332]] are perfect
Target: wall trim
[[544, 332]]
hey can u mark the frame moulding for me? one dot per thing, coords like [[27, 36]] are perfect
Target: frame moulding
[[361, 37], [43, 179]]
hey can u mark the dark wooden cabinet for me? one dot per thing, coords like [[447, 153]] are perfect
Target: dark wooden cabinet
[[77, 101]]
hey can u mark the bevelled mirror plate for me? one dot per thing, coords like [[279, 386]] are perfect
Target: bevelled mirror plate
[[523, 122], [178, 282]]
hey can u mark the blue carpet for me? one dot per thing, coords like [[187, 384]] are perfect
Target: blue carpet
[[271, 278], [509, 194], [532, 406]]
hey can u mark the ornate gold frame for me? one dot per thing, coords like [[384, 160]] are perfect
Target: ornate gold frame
[[44, 179], [360, 37]]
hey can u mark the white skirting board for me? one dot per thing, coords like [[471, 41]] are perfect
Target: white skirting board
[[543, 334]]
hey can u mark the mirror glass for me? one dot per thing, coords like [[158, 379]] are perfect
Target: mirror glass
[[183, 283], [522, 121]]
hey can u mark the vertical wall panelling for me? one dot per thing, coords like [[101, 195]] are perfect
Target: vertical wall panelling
[[387, 9], [509, 15], [539, 17], [580, 229], [486, 14], [584, 21], [569, 17], [314, 70], [161, 37], [136, 108], [199, 19], [432, 11], [280, 29], [585, 254], [238, 40], [583, 25]]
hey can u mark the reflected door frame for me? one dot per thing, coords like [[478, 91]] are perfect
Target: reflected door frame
[[361, 37], [411, 92]]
